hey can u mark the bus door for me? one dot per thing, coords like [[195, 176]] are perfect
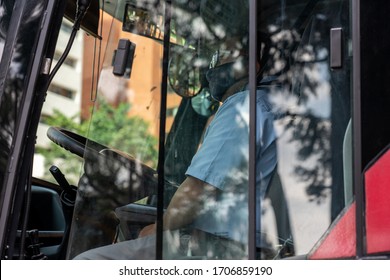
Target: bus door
[[310, 52], [329, 198]]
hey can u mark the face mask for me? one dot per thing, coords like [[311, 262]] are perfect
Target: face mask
[[203, 104], [220, 80]]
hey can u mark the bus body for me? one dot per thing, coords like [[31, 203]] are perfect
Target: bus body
[[137, 81]]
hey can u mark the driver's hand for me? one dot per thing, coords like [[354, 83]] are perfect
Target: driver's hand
[[148, 230]]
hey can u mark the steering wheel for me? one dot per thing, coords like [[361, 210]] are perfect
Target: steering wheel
[[71, 141]]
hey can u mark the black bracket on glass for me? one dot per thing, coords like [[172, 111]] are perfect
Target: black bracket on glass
[[336, 48], [123, 58]]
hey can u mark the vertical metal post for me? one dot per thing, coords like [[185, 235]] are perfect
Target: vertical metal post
[[161, 153], [252, 130], [356, 128]]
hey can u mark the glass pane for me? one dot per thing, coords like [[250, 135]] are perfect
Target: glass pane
[[207, 157], [119, 178], [312, 101], [5, 15], [117, 191], [14, 70]]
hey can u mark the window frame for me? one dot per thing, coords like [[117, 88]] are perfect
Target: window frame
[[32, 95]]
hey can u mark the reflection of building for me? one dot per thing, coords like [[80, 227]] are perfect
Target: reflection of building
[[142, 90], [64, 93], [70, 91]]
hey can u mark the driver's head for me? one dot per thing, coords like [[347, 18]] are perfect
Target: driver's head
[[228, 66]]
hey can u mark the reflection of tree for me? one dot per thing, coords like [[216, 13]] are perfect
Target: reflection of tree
[[111, 180], [300, 58], [14, 67], [5, 119], [312, 134]]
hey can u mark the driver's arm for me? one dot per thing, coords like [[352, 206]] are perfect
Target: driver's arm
[[184, 206]]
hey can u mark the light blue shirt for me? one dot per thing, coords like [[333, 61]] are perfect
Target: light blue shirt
[[222, 161]]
